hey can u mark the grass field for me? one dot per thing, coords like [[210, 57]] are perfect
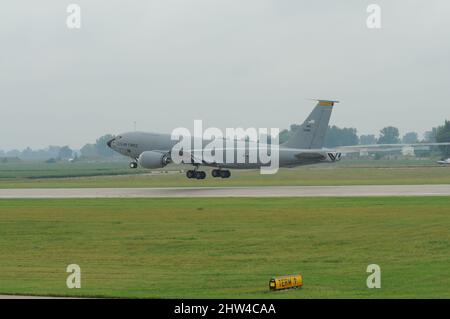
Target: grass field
[[29, 175], [41, 170], [226, 247]]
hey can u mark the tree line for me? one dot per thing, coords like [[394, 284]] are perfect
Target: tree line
[[336, 136], [98, 150], [346, 136]]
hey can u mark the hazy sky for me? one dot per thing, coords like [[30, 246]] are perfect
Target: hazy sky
[[164, 63]]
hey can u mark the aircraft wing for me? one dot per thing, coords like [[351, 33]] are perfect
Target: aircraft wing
[[311, 156], [317, 155], [385, 147]]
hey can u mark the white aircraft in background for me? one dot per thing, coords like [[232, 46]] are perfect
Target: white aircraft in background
[[445, 162]]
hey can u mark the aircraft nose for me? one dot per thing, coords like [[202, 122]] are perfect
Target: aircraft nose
[[110, 142]]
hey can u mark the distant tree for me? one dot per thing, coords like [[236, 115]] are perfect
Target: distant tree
[[335, 136], [13, 153], [10, 159], [430, 136], [410, 138], [65, 152], [283, 136], [367, 139], [265, 138], [89, 150], [341, 136], [378, 156], [102, 148], [286, 134], [27, 153], [2, 153], [389, 135], [443, 136], [50, 161], [53, 151]]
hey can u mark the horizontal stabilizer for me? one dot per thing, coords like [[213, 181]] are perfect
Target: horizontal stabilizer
[[384, 147]]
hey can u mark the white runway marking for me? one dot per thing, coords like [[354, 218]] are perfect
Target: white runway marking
[[264, 191]]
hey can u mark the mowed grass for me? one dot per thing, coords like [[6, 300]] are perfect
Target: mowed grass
[[228, 248], [309, 175], [40, 170]]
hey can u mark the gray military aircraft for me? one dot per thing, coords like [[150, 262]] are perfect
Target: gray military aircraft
[[305, 146]]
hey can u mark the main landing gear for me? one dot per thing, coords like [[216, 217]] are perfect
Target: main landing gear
[[195, 174], [220, 173], [202, 175]]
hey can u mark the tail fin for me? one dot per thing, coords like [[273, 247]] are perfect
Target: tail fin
[[311, 134]]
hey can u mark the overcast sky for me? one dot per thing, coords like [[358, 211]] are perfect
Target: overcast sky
[[164, 63]]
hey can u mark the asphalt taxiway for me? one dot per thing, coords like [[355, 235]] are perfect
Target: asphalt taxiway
[[261, 191]]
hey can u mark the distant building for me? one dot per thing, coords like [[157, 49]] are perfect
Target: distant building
[[363, 152], [408, 151], [14, 159]]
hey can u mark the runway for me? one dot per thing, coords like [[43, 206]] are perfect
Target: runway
[[262, 191]]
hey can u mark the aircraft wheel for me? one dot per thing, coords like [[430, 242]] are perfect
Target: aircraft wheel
[[133, 165], [190, 174], [201, 175], [215, 173], [225, 174]]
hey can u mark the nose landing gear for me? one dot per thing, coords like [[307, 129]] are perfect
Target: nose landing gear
[[133, 165]]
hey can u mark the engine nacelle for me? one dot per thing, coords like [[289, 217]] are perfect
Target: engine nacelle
[[152, 160]]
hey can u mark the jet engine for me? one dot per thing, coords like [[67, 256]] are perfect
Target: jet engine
[[152, 160]]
